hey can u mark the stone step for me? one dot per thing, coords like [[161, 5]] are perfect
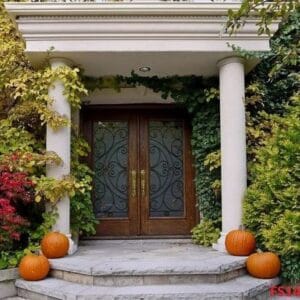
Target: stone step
[[121, 263], [14, 298], [146, 279], [243, 288]]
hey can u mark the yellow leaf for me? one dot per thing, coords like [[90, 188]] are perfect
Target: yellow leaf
[[38, 198]]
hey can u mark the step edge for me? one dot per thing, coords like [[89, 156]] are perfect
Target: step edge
[[148, 274], [216, 271], [253, 291]]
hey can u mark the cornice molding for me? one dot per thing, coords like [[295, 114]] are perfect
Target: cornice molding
[[132, 27], [137, 20], [18, 9], [126, 17], [83, 31]]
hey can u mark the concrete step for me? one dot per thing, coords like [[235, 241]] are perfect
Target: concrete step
[[14, 298], [146, 276], [243, 288], [121, 263]]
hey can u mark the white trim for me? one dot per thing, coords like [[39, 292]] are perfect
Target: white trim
[[119, 8]]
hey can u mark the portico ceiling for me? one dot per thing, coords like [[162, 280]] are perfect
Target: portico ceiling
[[115, 38]]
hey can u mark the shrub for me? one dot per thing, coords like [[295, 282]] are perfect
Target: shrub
[[205, 233], [16, 193], [15, 138], [83, 219], [16, 186], [284, 238], [272, 201], [11, 225]]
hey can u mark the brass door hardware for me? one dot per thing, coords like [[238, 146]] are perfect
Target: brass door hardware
[[143, 183], [133, 183]]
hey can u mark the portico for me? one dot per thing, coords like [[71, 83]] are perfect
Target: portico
[[172, 38]]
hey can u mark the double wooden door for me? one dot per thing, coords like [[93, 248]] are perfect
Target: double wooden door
[[143, 182]]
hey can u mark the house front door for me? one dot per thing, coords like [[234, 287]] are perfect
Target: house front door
[[143, 182]]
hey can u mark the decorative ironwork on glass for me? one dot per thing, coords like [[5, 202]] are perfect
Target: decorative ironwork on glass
[[166, 168], [110, 165]]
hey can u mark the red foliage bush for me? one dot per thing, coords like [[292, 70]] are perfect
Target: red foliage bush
[[16, 186], [11, 224], [16, 191]]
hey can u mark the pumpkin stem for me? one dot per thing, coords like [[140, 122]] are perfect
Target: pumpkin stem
[[242, 227], [259, 250]]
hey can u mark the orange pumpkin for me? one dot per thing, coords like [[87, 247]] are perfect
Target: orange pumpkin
[[55, 245], [263, 265], [34, 267], [240, 242]]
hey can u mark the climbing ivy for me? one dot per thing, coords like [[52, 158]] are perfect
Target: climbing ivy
[[200, 97]]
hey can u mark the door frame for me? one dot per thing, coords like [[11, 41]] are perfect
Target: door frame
[[91, 112]]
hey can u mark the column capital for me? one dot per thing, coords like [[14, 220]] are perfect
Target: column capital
[[230, 60], [56, 62]]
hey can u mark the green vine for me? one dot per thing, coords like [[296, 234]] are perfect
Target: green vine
[[200, 97]]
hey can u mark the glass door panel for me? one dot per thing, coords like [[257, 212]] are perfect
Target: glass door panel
[[166, 169], [111, 169]]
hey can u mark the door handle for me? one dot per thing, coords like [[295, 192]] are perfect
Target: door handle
[[143, 183], [133, 183]]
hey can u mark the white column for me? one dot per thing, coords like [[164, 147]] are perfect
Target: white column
[[59, 141], [233, 144]]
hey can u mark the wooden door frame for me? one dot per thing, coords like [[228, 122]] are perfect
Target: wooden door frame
[[91, 112]]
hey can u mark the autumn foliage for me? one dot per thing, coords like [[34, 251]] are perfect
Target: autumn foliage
[[15, 192]]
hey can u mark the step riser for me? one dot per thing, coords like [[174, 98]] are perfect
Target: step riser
[[37, 296], [128, 280], [33, 295]]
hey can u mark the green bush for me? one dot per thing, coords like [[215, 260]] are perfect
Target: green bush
[[83, 219], [205, 233], [284, 236], [271, 207], [15, 139]]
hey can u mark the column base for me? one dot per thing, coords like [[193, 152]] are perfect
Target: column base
[[73, 244], [220, 244]]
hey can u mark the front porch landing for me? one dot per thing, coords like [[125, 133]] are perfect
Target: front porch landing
[[146, 269], [145, 258], [142, 258]]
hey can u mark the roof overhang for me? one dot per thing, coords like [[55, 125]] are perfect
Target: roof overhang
[[115, 38]]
